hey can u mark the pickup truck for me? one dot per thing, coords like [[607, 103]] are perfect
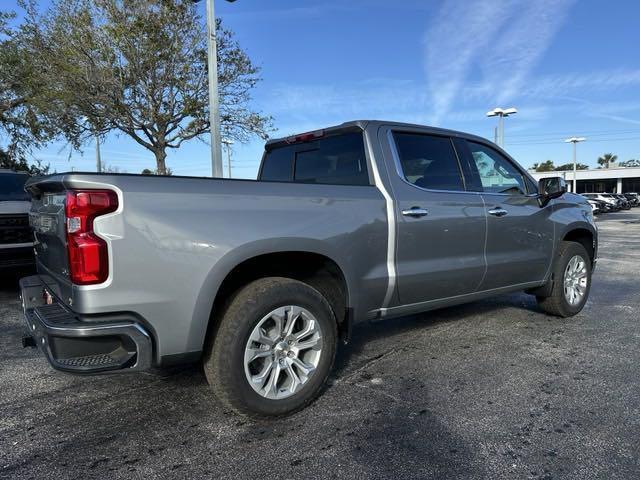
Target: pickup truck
[[262, 279], [16, 239]]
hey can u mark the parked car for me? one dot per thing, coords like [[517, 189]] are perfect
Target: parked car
[[624, 203], [633, 199], [260, 279], [612, 203], [595, 206], [16, 239]]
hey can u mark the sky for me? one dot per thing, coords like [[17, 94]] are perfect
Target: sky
[[570, 67]]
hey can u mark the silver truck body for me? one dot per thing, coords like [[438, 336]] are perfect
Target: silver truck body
[[174, 240]]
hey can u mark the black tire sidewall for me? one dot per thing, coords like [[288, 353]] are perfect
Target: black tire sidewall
[[256, 305], [570, 250]]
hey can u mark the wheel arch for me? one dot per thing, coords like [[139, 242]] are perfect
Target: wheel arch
[[584, 236], [315, 266]]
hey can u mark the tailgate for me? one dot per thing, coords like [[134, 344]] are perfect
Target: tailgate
[[47, 218]]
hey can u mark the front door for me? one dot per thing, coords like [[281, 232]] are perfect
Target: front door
[[441, 226], [520, 234]]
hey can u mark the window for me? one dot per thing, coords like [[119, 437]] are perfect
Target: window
[[336, 160], [429, 161], [497, 173], [12, 187], [277, 165]]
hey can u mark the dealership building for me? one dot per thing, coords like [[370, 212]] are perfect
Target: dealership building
[[611, 180]]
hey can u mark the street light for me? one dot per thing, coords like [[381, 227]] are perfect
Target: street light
[[214, 99], [501, 114], [575, 140]]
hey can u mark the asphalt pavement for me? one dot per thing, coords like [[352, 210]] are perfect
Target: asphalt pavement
[[492, 389]]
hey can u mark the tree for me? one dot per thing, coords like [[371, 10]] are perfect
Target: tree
[[607, 159], [630, 163], [569, 166], [18, 163], [140, 68], [544, 166], [24, 124]]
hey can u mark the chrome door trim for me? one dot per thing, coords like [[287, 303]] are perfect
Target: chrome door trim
[[391, 221]]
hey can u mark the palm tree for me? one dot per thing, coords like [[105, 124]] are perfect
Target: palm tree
[[606, 159]]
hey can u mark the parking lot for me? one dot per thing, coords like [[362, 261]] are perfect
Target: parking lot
[[493, 389]]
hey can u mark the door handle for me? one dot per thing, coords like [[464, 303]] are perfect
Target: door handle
[[415, 212], [498, 212]]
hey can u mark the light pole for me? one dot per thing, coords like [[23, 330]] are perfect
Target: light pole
[[501, 114], [214, 99], [227, 143], [575, 140]]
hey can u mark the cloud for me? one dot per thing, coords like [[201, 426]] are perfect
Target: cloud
[[501, 39], [316, 105]]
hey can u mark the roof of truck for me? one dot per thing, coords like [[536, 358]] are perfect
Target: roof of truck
[[362, 124]]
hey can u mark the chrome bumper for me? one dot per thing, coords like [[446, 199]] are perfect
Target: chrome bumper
[[73, 344]]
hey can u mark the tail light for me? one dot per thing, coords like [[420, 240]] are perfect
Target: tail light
[[88, 255]]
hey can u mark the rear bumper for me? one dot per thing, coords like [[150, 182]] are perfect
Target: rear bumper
[[74, 345]]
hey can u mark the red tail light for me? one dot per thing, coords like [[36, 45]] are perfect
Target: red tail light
[[88, 256]]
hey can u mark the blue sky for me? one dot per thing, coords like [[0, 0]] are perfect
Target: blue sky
[[570, 67]]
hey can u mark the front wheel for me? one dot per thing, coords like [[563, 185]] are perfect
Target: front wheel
[[274, 348], [571, 281]]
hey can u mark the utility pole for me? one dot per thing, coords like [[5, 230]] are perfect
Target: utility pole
[[227, 143], [575, 140], [98, 158], [501, 114]]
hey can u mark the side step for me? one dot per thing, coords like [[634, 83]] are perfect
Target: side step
[[100, 361]]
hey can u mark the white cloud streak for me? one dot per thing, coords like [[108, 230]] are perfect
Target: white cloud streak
[[504, 40]]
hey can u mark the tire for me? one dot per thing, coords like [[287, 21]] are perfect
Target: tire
[[255, 312], [557, 303]]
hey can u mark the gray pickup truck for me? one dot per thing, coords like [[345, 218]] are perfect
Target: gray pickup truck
[[261, 279]]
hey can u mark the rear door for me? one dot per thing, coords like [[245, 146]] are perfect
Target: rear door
[[520, 234], [441, 226]]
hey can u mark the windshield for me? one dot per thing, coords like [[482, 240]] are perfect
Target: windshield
[[12, 187]]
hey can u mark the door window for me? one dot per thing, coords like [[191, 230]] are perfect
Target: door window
[[429, 161], [497, 173]]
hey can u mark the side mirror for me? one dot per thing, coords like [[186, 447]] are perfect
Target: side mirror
[[550, 188]]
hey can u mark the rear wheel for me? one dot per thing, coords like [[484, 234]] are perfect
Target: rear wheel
[[571, 281], [274, 348]]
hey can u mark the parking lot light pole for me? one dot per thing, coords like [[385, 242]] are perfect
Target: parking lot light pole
[[501, 113], [575, 140], [214, 99]]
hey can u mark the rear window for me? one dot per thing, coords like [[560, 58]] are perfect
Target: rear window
[[429, 161], [334, 160], [12, 187]]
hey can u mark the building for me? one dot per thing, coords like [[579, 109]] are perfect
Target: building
[[612, 180]]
